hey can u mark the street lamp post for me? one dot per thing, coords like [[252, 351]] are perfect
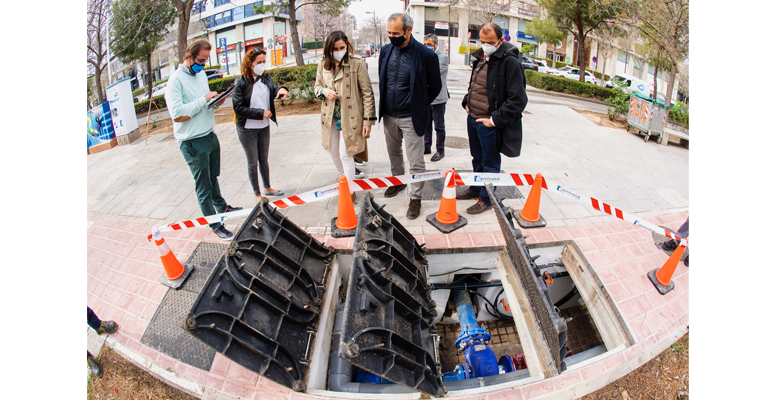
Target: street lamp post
[[376, 34]]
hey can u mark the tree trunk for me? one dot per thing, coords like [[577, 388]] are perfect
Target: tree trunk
[[581, 42], [655, 83], [670, 86], [183, 11], [149, 75], [295, 34], [604, 65], [98, 81]]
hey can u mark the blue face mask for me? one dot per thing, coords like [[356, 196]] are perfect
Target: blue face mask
[[195, 68]]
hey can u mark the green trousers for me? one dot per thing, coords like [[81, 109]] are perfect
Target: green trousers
[[202, 156]]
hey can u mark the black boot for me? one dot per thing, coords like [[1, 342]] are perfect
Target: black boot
[[94, 367]]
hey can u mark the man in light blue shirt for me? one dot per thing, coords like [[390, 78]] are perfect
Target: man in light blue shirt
[[187, 96]]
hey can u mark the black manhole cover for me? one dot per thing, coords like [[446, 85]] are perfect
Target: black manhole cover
[[454, 142]]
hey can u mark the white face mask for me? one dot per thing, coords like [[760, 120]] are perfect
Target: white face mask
[[339, 54], [488, 49], [259, 69]]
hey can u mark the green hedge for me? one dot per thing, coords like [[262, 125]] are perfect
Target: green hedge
[[318, 44], [564, 85], [143, 90], [291, 77], [680, 116], [560, 64], [143, 105]]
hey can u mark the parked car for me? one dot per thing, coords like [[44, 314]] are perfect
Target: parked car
[[214, 74], [528, 63], [156, 91], [630, 83], [542, 66], [573, 73]]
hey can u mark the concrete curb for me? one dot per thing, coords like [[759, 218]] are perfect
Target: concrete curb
[[568, 96]]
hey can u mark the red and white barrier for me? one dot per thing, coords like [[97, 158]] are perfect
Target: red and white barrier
[[461, 178]]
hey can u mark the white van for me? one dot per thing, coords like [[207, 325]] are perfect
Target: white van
[[631, 82]]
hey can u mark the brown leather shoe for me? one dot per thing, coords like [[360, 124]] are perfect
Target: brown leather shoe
[[353, 196], [393, 190], [466, 195], [414, 208], [478, 208]]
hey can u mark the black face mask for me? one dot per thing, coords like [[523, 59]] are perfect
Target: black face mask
[[397, 40]]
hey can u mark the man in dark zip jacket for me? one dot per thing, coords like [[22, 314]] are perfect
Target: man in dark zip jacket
[[410, 80], [496, 98]]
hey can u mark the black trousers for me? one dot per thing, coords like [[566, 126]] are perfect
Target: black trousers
[[437, 121], [93, 321], [256, 145]]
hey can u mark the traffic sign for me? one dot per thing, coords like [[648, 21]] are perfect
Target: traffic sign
[[355, 34], [223, 42], [507, 38], [594, 59]]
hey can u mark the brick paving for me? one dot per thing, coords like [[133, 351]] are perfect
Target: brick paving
[[123, 272]]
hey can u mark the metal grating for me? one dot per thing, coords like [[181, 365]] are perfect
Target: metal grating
[[204, 258], [260, 306], [166, 335], [387, 325], [551, 324]]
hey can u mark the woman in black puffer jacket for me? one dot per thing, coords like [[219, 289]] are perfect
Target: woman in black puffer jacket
[[254, 107]]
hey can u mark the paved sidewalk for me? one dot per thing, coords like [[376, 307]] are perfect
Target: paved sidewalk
[[135, 187]]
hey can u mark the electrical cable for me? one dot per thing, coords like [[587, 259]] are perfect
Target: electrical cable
[[465, 268], [566, 297], [466, 286]]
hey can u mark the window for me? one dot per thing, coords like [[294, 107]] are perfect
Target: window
[[223, 17], [237, 13], [502, 22], [452, 31], [623, 57], [199, 7], [651, 69], [218, 3], [638, 67], [248, 10]]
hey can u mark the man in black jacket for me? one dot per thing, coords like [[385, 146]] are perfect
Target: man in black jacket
[[410, 80], [496, 98]]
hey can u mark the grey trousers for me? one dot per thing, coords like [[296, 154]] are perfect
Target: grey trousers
[[396, 131]]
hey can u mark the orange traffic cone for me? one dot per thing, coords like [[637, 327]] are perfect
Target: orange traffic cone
[[529, 216], [661, 277], [447, 210], [176, 272], [346, 221], [446, 219]]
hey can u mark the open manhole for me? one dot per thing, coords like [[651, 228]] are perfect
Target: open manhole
[[394, 317], [454, 142]]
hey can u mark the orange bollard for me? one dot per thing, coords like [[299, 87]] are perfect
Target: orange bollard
[[447, 210], [346, 221], [661, 277], [529, 216], [446, 219], [175, 272]]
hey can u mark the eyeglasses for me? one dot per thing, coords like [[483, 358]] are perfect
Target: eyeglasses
[[199, 61]]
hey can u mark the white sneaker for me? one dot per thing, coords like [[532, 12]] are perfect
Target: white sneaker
[[359, 174]]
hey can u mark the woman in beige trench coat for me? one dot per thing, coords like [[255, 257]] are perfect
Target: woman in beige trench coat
[[347, 103]]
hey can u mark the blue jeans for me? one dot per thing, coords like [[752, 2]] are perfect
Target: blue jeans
[[93, 321], [486, 158]]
